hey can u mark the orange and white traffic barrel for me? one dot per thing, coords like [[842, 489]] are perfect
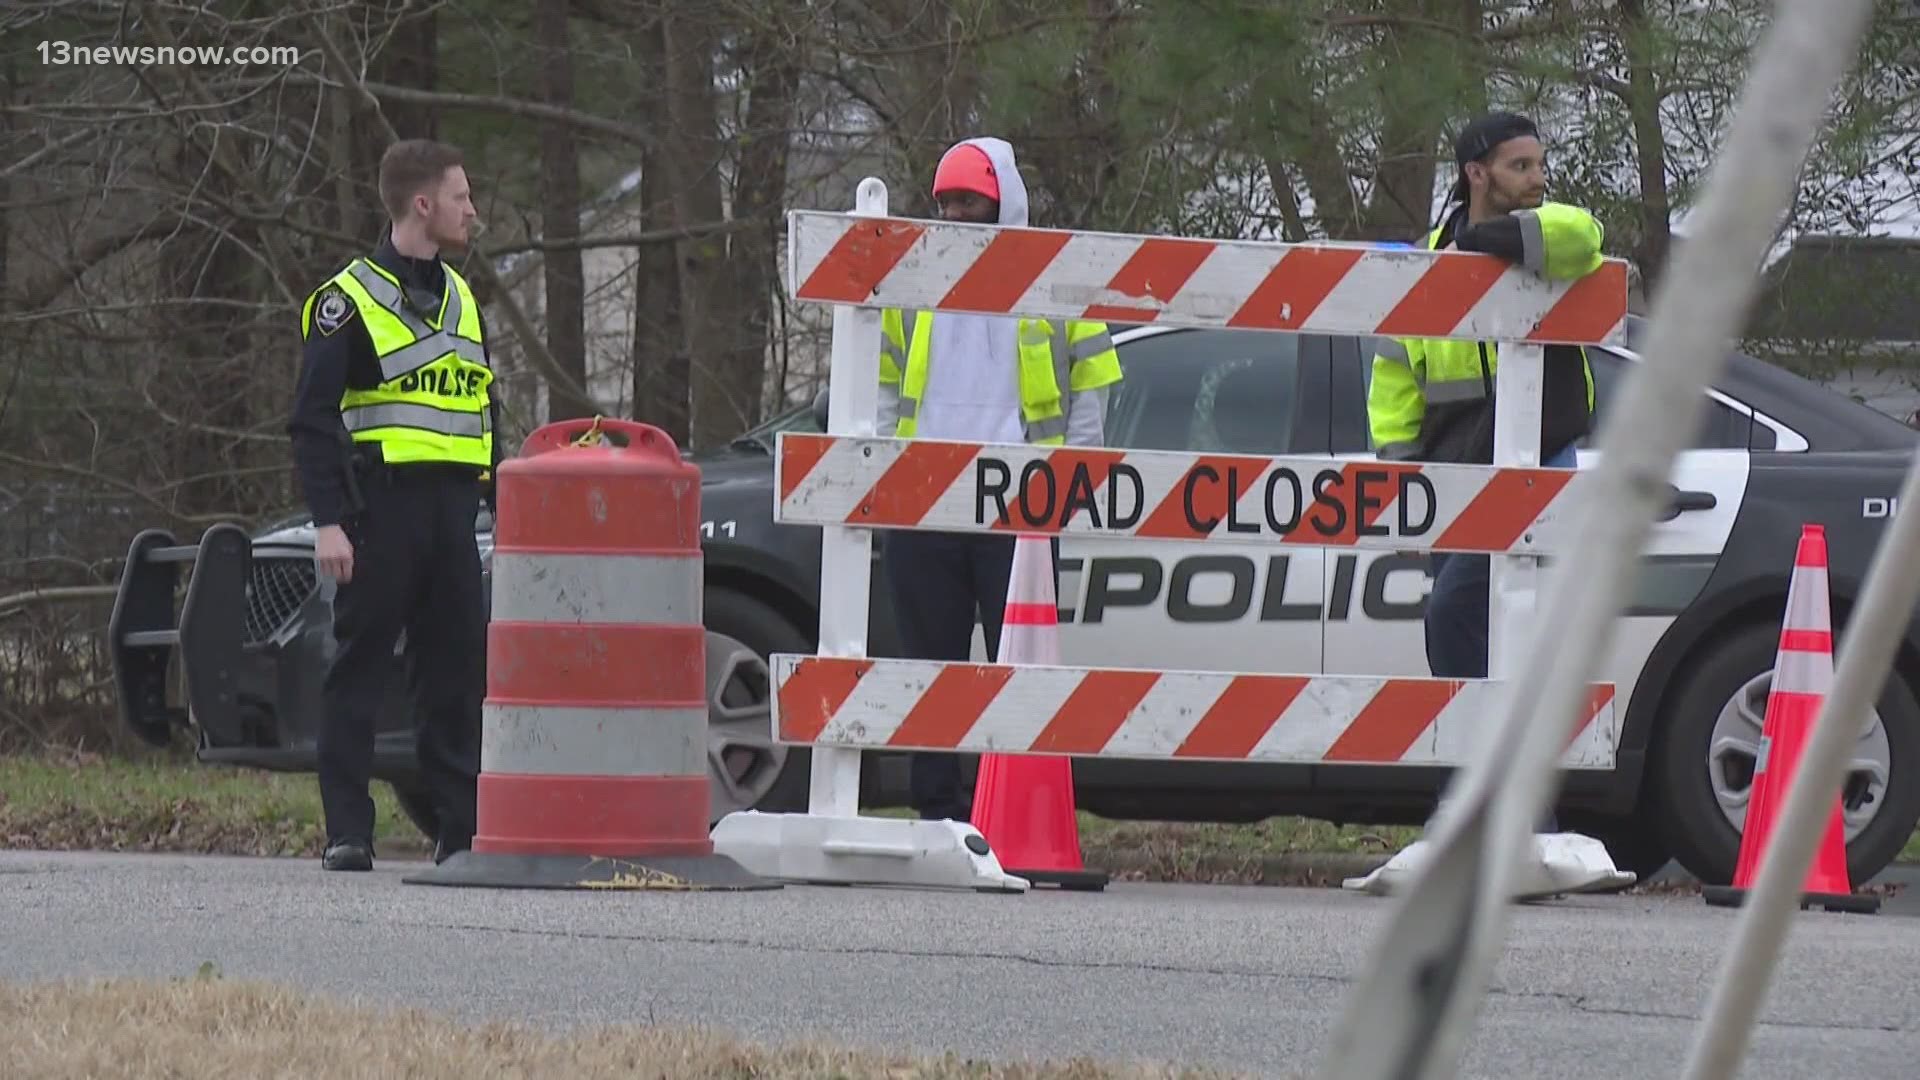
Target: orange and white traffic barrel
[[593, 764]]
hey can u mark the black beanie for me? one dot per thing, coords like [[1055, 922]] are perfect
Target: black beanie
[[1479, 138]]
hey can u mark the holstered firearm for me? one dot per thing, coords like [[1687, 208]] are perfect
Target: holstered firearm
[[352, 463]]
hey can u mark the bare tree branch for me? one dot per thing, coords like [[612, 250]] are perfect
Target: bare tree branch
[[530, 110], [480, 265], [647, 238], [58, 594]]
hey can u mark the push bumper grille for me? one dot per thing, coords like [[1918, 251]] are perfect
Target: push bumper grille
[[276, 591]]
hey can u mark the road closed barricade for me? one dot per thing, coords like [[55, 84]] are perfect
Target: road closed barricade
[[855, 479]]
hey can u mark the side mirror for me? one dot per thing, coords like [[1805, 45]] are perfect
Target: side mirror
[[820, 408]]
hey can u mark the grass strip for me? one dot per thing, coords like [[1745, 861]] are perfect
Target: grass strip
[[208, 1027], [87, 802], [84, 802]]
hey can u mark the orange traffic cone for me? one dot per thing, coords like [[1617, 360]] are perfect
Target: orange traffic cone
[[1801, 676], [1023, 803]]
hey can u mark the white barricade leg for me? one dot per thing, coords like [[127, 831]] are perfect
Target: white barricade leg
[[832, 843], [1564, 862]]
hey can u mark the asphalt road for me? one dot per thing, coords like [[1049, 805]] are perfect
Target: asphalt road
[[1245, 978]]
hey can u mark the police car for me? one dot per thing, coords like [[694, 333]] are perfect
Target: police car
[[1691, 656]]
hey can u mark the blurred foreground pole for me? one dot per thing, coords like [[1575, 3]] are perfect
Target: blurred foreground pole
[[1823, 35], [1410, 1013]]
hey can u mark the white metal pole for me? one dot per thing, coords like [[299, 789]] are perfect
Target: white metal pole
[[1519, 387], [1412, 1010], [846, 554]]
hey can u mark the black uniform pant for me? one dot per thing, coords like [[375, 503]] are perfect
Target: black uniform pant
[[416, 567], [939, 584]]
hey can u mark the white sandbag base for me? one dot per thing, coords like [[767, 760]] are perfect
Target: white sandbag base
[[817, 849], [1564, 863]]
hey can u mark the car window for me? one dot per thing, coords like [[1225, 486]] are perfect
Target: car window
[[1212, 391], [1721, 427]]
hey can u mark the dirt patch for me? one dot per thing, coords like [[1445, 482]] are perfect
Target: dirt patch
[[207, 1027], [1687, 886], [1278, 851]]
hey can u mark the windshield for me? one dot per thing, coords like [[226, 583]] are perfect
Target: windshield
[[798, 418]]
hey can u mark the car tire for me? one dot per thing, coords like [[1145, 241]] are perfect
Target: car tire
[[753, 623], [1686, 812]]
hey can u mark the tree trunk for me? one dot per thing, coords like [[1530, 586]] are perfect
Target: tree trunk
[[206, 269], [694, 154], [9, 75], [411, 58], [939, 93], [1650, 143], [661, 394], [771, 74], [1401, 205], [1418, 104], [356, 214], [1322, 163], [560, 220]]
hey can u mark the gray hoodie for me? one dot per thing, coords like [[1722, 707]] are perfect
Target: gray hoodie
[[973, 381]]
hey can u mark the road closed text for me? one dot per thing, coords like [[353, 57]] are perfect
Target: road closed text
[[1206, 499]]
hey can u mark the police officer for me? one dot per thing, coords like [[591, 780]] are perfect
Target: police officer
[[392, 434], [977, 378]]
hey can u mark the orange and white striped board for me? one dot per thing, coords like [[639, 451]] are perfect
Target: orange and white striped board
[[1168, 495], [1126, 713], [1331, 288]]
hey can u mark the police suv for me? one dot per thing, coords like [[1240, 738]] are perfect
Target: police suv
[[1691, 657]]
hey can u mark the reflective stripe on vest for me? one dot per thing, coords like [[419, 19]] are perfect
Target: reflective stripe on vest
[[1447, 391], [431, 344], [418, 417], [1054, 333]]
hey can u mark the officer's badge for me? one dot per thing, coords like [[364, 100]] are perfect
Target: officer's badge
[[332, 311]]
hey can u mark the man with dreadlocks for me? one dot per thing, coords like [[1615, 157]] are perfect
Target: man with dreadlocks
[[1432, 400]]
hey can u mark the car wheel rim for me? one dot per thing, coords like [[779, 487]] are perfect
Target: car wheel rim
[[743, 761], [1734, 745]]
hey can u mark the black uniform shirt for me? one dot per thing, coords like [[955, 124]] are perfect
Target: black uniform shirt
[[338, 354]]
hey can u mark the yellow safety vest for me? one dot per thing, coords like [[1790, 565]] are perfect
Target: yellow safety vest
[[431, 403], [1417, 381], [1075, 354]]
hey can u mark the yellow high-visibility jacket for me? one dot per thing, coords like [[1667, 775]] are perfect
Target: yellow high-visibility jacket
[[1432, 400], [1058, 358]]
